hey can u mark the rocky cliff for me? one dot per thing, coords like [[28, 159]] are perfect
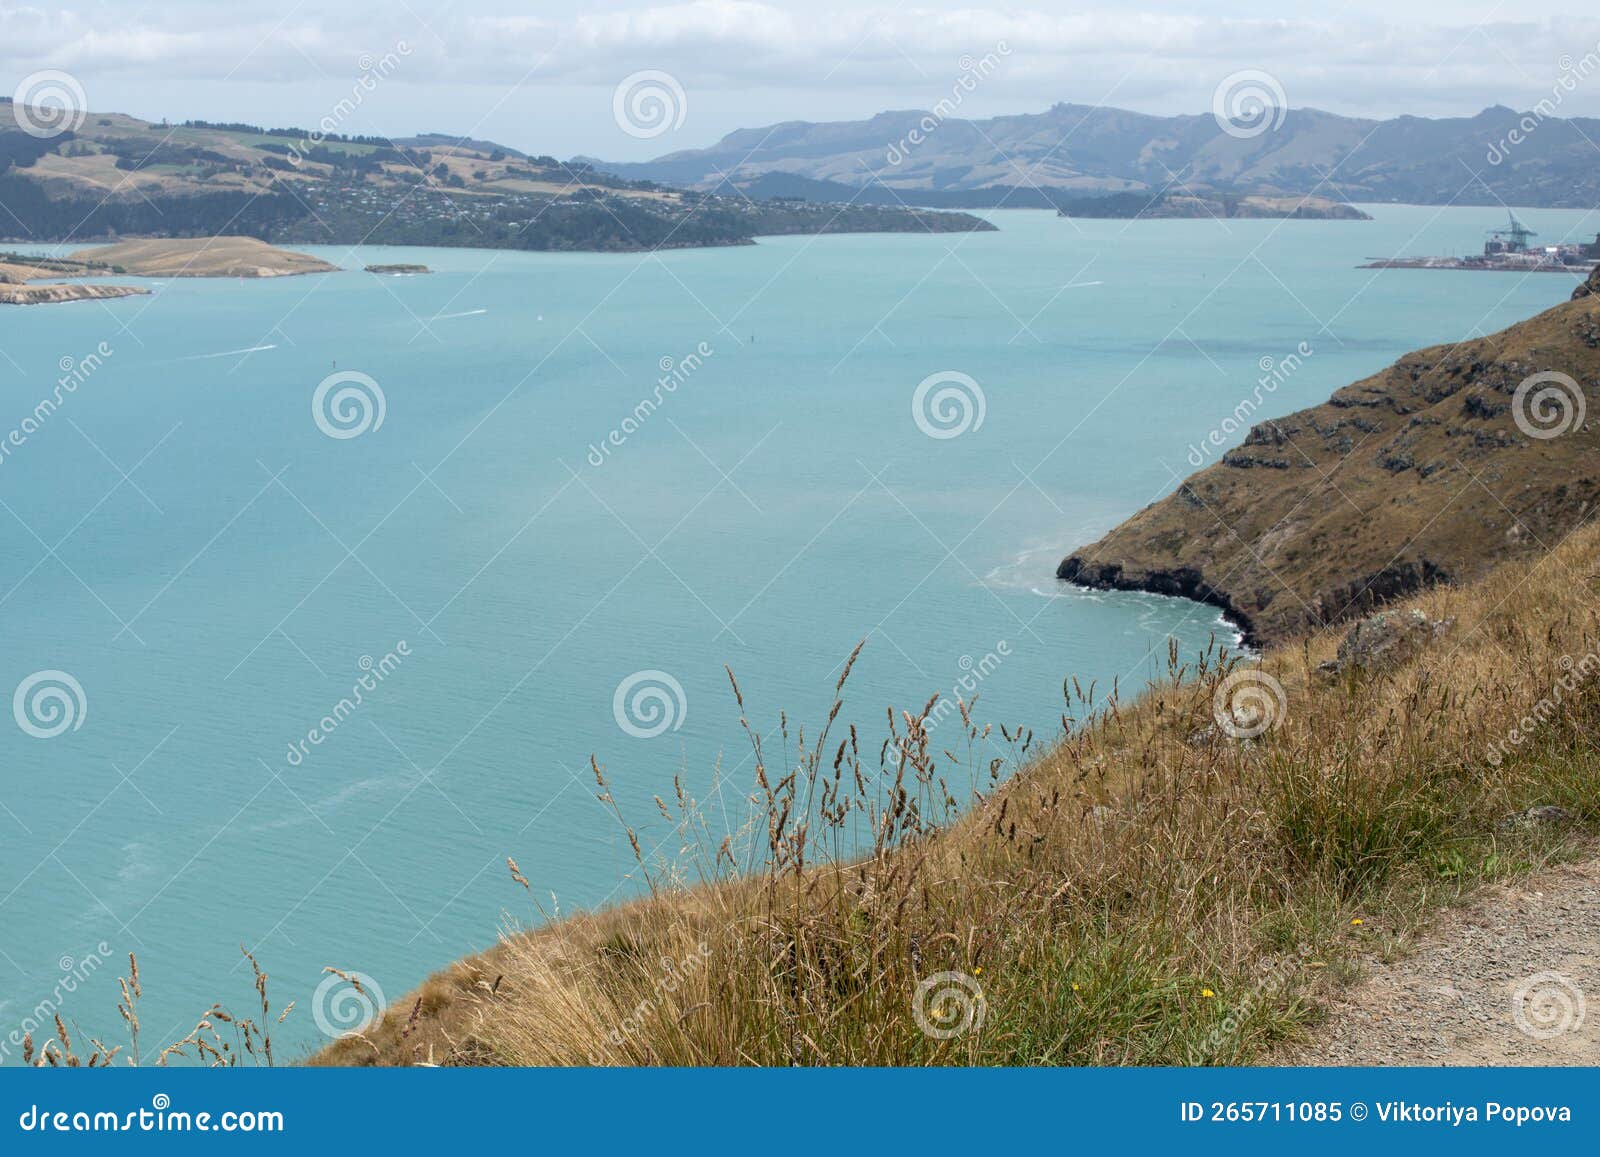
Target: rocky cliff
[[1434, 470], [13, 294], [1590, 287]]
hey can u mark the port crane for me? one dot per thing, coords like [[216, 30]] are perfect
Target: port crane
[[1512, 239]]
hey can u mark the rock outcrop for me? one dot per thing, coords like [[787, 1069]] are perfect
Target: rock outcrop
[[12, 294], [1384, 640]]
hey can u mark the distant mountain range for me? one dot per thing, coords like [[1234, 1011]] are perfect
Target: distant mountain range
[[1499, 155]]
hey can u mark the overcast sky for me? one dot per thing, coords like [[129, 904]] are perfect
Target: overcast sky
[[542, 77]]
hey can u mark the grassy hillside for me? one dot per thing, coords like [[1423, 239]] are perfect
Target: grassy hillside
[[211, 257], [1149, 891], [1446, 463], [116, 175], [189, 257]]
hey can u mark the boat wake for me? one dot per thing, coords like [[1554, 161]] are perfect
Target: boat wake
[[255, 349]]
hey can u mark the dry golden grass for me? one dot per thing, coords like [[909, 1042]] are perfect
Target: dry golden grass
[[202, 257], [219, 1039], [1147, 891]]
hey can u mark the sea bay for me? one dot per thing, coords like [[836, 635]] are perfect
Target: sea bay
[[217, 573]]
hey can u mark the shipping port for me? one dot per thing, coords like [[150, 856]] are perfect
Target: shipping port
[[1507, 250]]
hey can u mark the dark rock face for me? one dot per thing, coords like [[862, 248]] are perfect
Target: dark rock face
[[1241, 461], [1179, 582], [1395, 581], [1397, 461], [1591, 287]]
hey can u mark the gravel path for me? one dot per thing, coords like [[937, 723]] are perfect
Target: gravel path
[[1502, 982]]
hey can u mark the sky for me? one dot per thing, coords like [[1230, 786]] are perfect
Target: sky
[[562, 79]]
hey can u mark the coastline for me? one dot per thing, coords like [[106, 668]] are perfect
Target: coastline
[[1399, 448], [59, 294], [1179, 583], [31, 279]]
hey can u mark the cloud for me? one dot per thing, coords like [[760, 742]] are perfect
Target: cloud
[[1160, 61]]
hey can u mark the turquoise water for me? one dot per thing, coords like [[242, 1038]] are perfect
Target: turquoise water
[[183, 539]]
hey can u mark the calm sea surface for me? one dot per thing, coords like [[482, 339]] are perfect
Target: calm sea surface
[[216, 573]]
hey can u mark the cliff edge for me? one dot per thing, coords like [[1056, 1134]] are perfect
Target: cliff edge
[[1467, 454]]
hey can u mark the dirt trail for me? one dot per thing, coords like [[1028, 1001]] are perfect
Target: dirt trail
[[1504, 981]]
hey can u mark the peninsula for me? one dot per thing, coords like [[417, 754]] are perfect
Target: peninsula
[[186, 257], [1450, 461], [1127, 206], [17, 271], [1507, 251], [12, 294], [201, 257]]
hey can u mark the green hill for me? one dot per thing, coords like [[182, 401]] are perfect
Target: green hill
[[116, 175]]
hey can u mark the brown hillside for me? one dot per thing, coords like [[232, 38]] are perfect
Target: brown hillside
[[203, 257], [1451, 460]]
